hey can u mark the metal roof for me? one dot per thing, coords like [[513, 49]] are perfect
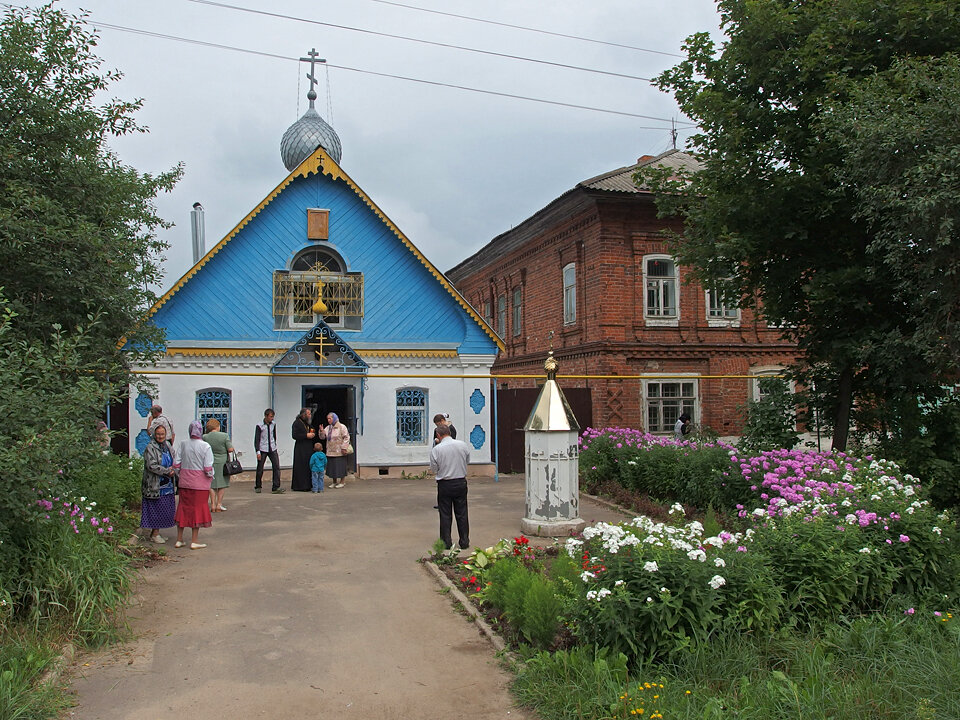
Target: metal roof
[[621, 179]]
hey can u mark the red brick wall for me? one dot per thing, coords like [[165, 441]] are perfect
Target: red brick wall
[[607, 236]]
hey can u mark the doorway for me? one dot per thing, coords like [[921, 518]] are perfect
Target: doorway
[[339, 399]]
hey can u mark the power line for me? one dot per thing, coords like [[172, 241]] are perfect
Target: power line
[[274, 56], [529, 29], [227, 6]]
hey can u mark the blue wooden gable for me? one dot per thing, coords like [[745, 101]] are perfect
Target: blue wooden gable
[[228, 295]]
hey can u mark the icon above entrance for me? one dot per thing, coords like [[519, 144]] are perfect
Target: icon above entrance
[[321, 351]]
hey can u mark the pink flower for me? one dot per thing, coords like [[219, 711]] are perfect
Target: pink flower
[[904, 539]]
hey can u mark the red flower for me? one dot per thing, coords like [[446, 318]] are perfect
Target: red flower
[[473, 579], [463, 579]]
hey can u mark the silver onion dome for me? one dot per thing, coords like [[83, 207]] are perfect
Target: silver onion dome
[[306, 135]]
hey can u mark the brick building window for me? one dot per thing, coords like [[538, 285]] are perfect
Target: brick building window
[[502, 316], [570, 294], [660, 281], [488, 312], [666, 400], [721, 310], [517, 311]]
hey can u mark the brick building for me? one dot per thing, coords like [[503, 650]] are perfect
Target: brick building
[[590, 276]]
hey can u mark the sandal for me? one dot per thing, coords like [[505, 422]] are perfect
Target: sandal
[[179, 543]]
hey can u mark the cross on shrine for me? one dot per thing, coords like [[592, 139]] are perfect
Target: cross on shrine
[[313, 60]]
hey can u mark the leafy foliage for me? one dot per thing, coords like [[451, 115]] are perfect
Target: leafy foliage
[[76, 225], [771, 420], [785, 212]]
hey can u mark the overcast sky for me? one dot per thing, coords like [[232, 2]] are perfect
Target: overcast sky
[[451, 168]]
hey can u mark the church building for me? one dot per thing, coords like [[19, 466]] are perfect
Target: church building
[[317, 299]]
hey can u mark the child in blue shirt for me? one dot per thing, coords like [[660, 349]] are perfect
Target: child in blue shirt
[[318, 464]]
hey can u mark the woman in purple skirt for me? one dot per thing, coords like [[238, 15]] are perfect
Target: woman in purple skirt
[[158, 505]]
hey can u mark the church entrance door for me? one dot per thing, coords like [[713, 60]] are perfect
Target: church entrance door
[[339, 399]]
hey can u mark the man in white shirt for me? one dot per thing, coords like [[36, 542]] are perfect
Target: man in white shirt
[[448, 461], [265, 443]]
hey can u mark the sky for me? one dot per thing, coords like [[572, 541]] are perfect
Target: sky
[[452, 168]]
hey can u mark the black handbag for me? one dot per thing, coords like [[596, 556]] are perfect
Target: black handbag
[[232, 466]]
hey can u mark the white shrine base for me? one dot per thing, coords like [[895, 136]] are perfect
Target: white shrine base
[[551, 528]]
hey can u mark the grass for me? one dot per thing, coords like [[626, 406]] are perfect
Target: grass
[[872, 668], [23, 661]]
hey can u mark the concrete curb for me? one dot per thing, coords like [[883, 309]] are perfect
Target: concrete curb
[[610, 505], [499, 645], [53, 673]]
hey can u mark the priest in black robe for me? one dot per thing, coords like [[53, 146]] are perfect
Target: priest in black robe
[[304, 438]]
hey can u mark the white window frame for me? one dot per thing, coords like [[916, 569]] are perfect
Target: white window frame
[[569, 293], [654, 317], [762, 371], [517, 310], [729, 316], [502, 315], [660, 379]]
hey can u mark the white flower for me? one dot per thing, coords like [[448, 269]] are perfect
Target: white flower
[[675, 508], [586, 575], [851, 519], [697, 555], [618, 583], [864, 551], [937, 530], [719, 562], [664, 590], [717, 581], [650, 567], [649, 599]]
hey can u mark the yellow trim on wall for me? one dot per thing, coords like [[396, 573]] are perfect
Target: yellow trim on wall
[[225, 352], [409, 353], [321, 162]]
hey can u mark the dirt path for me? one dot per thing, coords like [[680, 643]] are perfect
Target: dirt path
[[309, 606]]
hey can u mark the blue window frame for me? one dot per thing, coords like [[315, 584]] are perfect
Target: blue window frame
[[412, 416], [214, 403]]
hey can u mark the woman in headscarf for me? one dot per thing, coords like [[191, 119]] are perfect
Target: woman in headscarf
[[158, 505], [222, 447], [303, 441], [338, 439], [195, 463]]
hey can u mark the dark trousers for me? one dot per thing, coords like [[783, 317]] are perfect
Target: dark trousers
[[274, 465], [452, 500]]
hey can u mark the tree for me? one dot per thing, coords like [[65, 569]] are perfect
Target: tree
[[773, 217], [77, 227]]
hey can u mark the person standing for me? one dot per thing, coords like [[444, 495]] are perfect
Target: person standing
[[156, 419], [265, 443], [195, 463], [442, 419], [222, 446], [303, 435], [318, 465], [338, 443], [681, 427], [158, 505], [448, 461]]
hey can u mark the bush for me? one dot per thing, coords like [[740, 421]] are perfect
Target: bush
[[686, 472], [113, 480], [73, 581], [771, 421]]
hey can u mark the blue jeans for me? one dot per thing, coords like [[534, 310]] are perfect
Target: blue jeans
[[316, 480]]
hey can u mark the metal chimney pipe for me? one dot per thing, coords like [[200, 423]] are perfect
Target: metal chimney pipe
[[197, 231]]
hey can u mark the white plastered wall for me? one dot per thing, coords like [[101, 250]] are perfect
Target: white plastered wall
[[448, 390]]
